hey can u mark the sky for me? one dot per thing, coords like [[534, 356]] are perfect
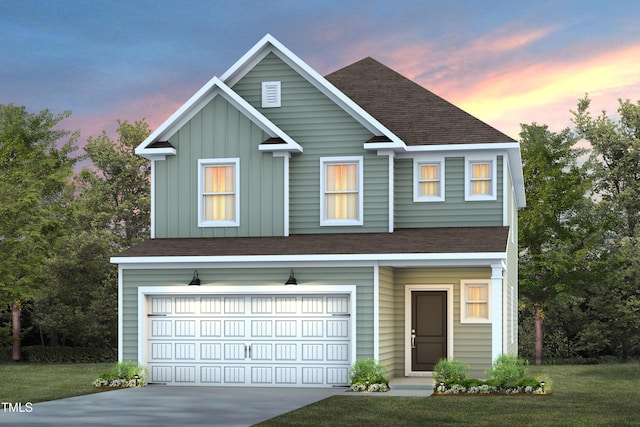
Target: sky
[[505, 62]]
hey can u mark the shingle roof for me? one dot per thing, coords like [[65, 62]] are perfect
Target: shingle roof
[[401, 241], [416, 115]]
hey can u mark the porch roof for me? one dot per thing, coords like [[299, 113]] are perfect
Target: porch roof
[[401, 241]]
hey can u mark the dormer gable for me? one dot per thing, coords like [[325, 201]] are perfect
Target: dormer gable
[[156, 147]]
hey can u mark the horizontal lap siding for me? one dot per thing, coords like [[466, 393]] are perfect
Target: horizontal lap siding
[[454, 211], [472, 343], [389, 341], [219, 131], [362, 277], [323, 130]]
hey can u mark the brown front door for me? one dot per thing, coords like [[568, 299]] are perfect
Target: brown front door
[[428, 329]]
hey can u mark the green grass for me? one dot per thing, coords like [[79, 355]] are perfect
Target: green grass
[[27, 382], [598, 395]]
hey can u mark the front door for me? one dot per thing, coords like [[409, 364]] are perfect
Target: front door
[[428, 329]]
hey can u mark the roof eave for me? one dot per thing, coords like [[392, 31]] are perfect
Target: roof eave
[[404, 259]]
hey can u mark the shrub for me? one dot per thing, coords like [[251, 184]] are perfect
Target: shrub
[[44, 354], [507, 370], [124, 374], [450, 370], [368, 375]]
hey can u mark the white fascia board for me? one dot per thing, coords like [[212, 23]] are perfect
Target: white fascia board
[[461, 147], [259, 260], [154, 154], [269, 44], [512, 149], [209, 91]]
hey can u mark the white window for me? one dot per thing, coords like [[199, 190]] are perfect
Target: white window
[[271, 94], [218, 192], [480, 181], [428, 181], [341, 191], [474, 301]]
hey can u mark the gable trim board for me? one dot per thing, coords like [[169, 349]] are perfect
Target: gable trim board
[[210, 90], [269, 44]]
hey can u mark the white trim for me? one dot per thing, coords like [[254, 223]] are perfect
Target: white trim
[[417, 163], [463, 301], [402, 259], [144, 291], [493, 164], [505, 188], [269, 44], [152, 208], [324, 161], [120, 314], [202, 163], [463, 147], [448, 288], [391, 192], [497, 283], [376, 312], [287, 162]]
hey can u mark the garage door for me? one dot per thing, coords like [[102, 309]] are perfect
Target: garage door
[[256, 340]]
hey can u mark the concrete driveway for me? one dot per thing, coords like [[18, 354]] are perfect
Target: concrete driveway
[[157, 406]]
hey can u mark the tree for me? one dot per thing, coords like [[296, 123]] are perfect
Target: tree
[[116, 192], [550, 232], [109, 211], [614, 299], [33, 173]]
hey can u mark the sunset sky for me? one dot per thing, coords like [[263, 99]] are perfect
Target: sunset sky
[[506, 62]]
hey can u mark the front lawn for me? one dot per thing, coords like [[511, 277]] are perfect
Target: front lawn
[[34, 382], [594, 395]]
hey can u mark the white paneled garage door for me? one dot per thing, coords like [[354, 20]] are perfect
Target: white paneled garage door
[[256, 340]]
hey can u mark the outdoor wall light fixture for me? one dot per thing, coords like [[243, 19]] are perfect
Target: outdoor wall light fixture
[[196, 280], [291, 280]]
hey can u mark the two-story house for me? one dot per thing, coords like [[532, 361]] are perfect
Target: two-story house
[[302, 222]]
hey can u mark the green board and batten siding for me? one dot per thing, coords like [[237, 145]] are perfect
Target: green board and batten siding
[[219, 131], [454, 211], [323, 129], [362, 277]]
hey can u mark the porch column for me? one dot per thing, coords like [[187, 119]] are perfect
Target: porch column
[[496, 311]]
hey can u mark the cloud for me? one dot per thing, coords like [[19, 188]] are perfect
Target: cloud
[[545, 92]]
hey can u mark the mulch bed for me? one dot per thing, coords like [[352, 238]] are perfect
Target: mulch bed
[[491, 394]]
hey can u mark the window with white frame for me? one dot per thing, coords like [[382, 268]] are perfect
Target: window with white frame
[[218, 198], [480, 181], [428, 181], [474, 301], [341, 191]]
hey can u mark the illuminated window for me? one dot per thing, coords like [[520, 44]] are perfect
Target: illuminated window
[[428, 181], [480, 181], [218, 199], [341, 198], [474, 301]]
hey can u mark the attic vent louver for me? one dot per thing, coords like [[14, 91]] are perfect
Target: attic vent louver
[[270, 94]]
